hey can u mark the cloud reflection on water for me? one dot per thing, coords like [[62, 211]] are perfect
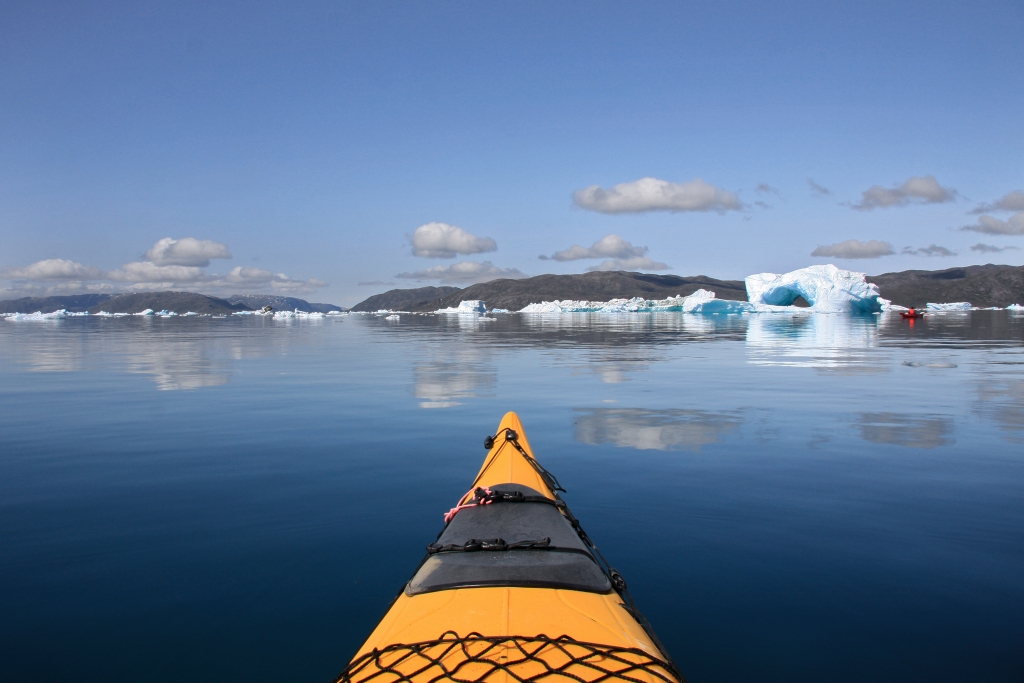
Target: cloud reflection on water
[[1001, 399], [444, 380], [912, 431], [660, 430]]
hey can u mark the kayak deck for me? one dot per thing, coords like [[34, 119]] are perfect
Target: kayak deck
[[509, 632]]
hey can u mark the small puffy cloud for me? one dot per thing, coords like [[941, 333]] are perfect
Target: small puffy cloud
[[635, 263], [818, 190], [931, 250], [440, 240], [991, 249], [1013, 201], [609, 246], [990, 225], [53, 269], [855, 249], [765, 188], [464, 272], [916, 190], [652, 194], [620, 255], [187, 251]]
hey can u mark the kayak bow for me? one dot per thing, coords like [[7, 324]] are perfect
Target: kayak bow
[[512, 590]]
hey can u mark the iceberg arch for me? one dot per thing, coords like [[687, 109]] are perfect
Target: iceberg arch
[[826, 288]]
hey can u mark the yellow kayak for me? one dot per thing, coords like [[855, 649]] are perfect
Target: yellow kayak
[[512, 590]]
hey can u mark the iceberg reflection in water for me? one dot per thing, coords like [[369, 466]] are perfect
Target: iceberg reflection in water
[[816, 341]]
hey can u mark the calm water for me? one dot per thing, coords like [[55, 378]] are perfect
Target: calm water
[[790, 498]]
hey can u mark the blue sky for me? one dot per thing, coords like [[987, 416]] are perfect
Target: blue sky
[[310, 141]]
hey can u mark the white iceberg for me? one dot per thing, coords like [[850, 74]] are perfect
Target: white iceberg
[[701, 302], [1015, 307], [704, 301], [955, 306], [288, 315], [393, 318], [148, 311], [470, 306], [38, 315], [826, 288]]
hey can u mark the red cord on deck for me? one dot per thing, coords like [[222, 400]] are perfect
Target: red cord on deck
[[477, 498]]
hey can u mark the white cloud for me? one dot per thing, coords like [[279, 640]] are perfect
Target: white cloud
[[159, 274], [855, 249], [918, 190], [818, 190], [990, 225], [464, 272], [609, 246], [144, 271], [374, 283], [931, 250], [765, 188], [53, 269], [620, 255], [652, 194], [991, 249], [440, 240], [1012, 201], [187, 251], [635, 263]]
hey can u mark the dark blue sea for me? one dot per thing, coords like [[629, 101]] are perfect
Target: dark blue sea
[[790, 498]]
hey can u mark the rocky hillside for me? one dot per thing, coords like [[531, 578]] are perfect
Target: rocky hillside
[[281, 303], [987, 285], [76, 303], [515, 294], [405, 299], [179, 302]]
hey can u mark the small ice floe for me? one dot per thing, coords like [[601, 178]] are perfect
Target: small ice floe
[[77, 314], [955, 306], [167, 314], [340, 314], [148, 311], [393, 318], [38, 315], [937, 366], [288, 315], [1015, 307], [468, 307], [500, 310], [190, 313]]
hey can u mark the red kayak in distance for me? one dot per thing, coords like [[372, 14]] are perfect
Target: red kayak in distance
[[907, 314]]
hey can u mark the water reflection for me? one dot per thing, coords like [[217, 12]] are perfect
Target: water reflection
[[912, 431], [660, 430], [813, 340], [176, 364], [453, 373], [1001, 399]]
